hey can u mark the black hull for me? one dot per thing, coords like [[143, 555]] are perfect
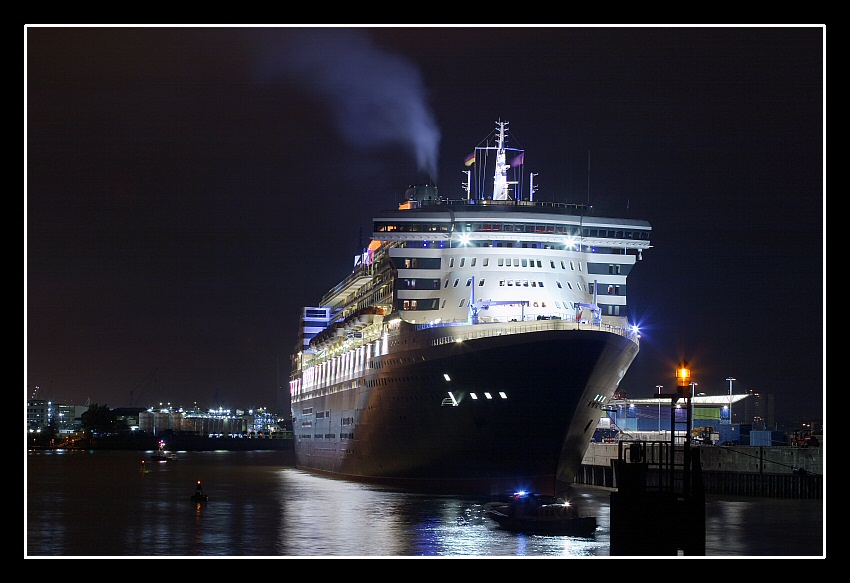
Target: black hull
[[396, 428], [584, 527]]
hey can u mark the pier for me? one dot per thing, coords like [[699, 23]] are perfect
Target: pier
[[768, 471]]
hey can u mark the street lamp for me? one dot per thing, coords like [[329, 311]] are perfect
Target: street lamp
[[683, 379], [730, 379], [659, 387], [693, 395]]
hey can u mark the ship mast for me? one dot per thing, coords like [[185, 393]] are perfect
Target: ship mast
[[500, 178]]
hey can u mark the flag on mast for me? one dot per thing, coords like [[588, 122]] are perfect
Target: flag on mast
[[469, 160], [519, 160]]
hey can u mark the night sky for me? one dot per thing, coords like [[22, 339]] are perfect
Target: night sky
[[188, 190]]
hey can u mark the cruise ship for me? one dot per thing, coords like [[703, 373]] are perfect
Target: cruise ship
[[476, 342]]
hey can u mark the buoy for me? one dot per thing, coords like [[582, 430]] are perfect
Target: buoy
[[199, 495]]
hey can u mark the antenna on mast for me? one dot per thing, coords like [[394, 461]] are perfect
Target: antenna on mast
[[588, 178], [500, 177]]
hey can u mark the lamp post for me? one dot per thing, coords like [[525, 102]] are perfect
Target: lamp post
[[730, 379], [659, 387], [683, 379], [693, 395]]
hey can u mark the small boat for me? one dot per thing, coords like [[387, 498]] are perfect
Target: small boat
[[199, 495], [162, 454], [531, 513]]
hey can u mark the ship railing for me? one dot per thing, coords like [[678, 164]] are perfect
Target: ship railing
[[489, 329], [361, 270], [576, 207], [467, 332]]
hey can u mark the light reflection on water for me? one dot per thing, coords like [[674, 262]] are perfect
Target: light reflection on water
[[332, 517], [99, 504]]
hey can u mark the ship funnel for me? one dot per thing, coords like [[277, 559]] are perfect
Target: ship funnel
[[423, 194]]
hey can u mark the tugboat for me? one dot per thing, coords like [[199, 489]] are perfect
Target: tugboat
[[162, 454], [199, 495], [531, 513]]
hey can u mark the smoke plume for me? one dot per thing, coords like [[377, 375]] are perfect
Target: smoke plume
[[376, 98]]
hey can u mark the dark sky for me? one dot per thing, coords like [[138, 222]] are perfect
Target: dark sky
[[189, 190]]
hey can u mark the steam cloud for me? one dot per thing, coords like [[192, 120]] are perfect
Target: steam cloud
[[376, 98]]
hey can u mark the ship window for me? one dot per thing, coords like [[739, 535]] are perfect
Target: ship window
[[516, 262], [462, 261], [486, 261], [572, 267], [443, 305], [446, 284], [455, 283], [533, 284], [524, 263], [569, 285], [501, 262], [590, 288], [614, 269], [462, 303], [469, 282], [525, 283], [540, 283], [559, 285], [539, 264], [563, 266], [510, 283], [451, 262], [481, 283], [552, 264], [473, 262], [579, 265]]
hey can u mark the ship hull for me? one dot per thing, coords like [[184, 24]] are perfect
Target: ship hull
[[410, 421]]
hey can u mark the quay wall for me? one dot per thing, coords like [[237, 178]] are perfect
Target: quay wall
[[766, 471]]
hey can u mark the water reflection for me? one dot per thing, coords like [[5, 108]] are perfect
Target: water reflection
[[332, 517], [99, 504]]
